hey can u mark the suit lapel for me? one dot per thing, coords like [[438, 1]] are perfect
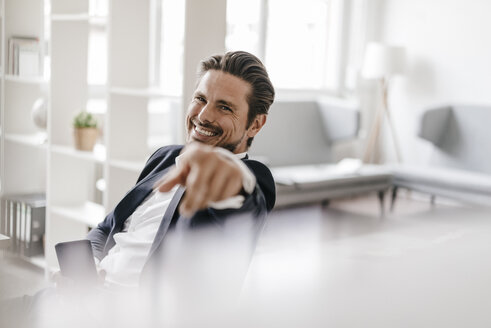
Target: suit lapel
[[130, 202], [135, 196], [167, 219]]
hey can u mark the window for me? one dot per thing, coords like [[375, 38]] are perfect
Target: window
[[243, 26], [298, 40]]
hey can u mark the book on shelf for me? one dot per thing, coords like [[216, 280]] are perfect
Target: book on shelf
[[23, 220], [24, 56]]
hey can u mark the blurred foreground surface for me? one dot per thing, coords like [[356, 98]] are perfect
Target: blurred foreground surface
[[311, 267]]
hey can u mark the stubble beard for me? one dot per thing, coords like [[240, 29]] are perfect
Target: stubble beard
[[231, 146]]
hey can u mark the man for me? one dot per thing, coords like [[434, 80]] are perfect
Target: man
[[216, 179], [229, 107]]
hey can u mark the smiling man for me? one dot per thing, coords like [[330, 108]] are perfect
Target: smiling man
[[180, 187], [218, 113], [198, 184]]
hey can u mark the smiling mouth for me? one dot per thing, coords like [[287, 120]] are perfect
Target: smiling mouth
[[203, 130]]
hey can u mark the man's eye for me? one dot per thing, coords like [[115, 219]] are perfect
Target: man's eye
[[226, 108], [200, 99]]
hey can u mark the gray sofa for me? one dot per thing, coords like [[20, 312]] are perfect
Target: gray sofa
[[296, 143], [302, 132], [460, 165]]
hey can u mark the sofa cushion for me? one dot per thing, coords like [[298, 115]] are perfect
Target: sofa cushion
[[443, 179], [312, 183]]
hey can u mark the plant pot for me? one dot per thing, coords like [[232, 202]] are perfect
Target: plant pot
[[85, 138]]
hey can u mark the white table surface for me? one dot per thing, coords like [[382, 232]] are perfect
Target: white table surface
[[319, 267]]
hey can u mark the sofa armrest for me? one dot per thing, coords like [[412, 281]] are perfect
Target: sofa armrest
[[434, 123]]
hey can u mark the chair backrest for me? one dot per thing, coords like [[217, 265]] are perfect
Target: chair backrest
[[461, 135]]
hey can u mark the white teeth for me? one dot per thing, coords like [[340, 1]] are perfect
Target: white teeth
[[204, 132]]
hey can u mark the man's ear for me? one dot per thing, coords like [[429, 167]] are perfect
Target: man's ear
[[256, 125]]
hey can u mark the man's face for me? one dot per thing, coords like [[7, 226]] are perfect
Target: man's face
[[217, 115]]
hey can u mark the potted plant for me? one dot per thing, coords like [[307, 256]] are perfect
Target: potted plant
[[85, 131]]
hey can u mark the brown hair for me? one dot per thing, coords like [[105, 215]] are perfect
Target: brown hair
[[249, 68]]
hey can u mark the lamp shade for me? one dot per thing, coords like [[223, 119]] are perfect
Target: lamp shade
[[383, 61]]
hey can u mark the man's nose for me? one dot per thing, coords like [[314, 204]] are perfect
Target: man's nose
[[206, 114]]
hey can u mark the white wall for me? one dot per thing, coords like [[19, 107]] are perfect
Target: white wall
[[449, 49]]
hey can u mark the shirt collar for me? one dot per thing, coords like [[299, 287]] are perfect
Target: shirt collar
[[241, 155]]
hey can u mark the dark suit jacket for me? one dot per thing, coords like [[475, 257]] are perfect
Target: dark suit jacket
[[258, 203]]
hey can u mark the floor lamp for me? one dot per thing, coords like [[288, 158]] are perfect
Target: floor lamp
[[382, 62]]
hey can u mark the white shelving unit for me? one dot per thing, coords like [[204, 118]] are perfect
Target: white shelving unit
[[72, 203], [23, 148], [21, 144], [137, 116], [71, 206], [129, 96]]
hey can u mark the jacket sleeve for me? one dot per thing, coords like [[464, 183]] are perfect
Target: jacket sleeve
[[98, 235]]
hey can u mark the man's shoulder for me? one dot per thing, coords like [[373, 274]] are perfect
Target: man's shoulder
[[260, 170], [256, 166], [166, 152], [161, 158], [170, 149], [264, 179]]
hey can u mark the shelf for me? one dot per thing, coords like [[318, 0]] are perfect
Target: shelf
[[88, 213], [70, 17], [4, 242], [134, 166], [96, 106], [93, 20], [38, 261], [37, 140], [98, 20], [142, 92], [153, 143], [97, 155], [26, 79]]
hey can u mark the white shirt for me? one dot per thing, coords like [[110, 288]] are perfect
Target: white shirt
[[125, 260]]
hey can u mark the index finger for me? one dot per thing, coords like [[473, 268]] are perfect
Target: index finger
[[169, 180]]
